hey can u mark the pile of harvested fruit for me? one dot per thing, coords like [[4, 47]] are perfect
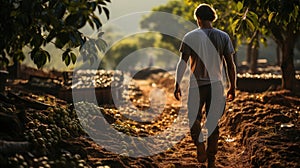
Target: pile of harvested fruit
[[41, 138], [96, 79]]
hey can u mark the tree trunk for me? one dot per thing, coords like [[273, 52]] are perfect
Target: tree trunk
[[254, 54], [14, 70], [287, 64], [278, 54], [249, 53]]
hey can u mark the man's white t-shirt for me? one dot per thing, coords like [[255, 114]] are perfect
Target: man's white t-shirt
[[206, 48]]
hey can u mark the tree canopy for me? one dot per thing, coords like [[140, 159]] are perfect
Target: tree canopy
[[36, 23]]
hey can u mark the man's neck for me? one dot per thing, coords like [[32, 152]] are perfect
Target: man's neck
[[206, 24]]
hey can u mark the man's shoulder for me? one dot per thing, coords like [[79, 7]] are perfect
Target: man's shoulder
[[221, 32], [197, 30], [201, 31], [192, 33]]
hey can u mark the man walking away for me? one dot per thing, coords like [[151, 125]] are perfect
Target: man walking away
[[207, 48]]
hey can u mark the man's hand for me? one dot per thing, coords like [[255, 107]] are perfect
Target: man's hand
[[177, 92], [231, 94]]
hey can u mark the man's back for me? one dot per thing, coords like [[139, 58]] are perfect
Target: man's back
[[206, 48], [220, 40]]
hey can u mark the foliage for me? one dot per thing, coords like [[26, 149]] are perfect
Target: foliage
[[36, 23], [279, 18], [282, 20]]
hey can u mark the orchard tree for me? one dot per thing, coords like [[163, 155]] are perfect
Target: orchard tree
[[282, 20], [244, 25], [36, 23]]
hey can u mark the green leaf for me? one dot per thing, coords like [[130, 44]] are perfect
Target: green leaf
[[72, 19], [91, 23], [234, 25], [78, 20], [51, 35], [97, 22], [18, 56], [239, 6], [106, 11], [102, 3], [33, 52], [65, 54], [250, 24], [59, 9], [254, 18], [61, 40], [271, 15], [46, 53], [73, 58], [99, 9], [92, 5], [243, 27], [263, 40], [37, 40], [39, 57], [67, 60], [43, 59]]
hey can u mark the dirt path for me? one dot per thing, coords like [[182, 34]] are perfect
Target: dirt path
[[183, 155]]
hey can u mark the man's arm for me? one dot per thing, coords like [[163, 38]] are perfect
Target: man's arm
[[180, 69], [231, 71]]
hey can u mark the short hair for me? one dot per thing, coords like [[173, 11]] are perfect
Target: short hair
[[205, 12]]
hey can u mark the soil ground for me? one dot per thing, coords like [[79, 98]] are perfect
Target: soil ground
[[256, 130]]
